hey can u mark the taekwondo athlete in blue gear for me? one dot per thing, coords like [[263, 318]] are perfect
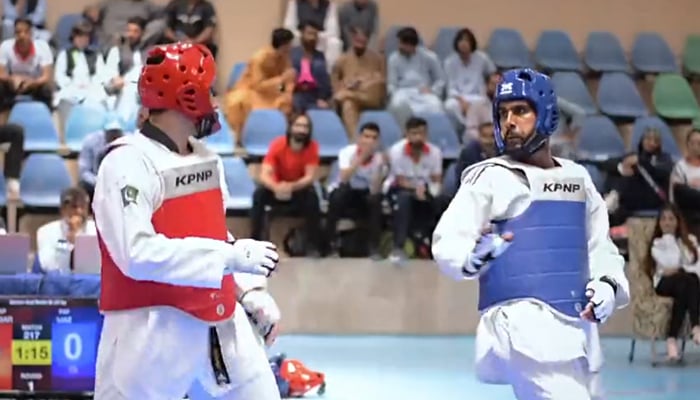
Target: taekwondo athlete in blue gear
[[534, 231]]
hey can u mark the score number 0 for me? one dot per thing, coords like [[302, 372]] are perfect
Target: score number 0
[[74, 349]]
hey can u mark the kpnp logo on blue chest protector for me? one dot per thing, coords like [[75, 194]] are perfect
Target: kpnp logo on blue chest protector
[[548, 259]]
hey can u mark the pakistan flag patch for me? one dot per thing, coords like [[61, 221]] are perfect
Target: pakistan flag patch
[[129, 195]]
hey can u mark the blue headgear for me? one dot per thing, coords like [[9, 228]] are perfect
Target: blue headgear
[[535, 88]]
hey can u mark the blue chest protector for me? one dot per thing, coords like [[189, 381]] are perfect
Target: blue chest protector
[[548, 259]]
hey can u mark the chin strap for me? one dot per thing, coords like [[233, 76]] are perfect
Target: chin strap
[[207, 125]]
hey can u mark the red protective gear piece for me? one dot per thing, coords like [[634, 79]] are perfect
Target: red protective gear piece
[[301, 379], [179, 77]]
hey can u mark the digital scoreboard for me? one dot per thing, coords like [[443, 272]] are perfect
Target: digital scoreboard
[[48, 344]]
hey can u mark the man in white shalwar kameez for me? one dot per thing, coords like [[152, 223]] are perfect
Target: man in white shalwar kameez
[[534, 231]]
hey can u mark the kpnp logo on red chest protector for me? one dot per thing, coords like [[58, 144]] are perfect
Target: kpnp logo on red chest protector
[[192, 206]]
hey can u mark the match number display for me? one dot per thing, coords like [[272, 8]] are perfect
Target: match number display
[[31, 352]]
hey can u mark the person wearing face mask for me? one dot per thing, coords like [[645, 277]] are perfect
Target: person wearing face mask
[[287, 177], [413, 184], [172, 275], [534, 230]]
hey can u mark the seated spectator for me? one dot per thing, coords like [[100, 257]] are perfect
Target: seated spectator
[[113, 16], [191, 21], [93, 150], [358, 186], [79, 73], [358, 14], [313, 84], [685, 182], [415, 79], [672, 263], [14, 136], [477, 150], [640, 180], [287, 177], [34, 11], [481, 111], [414, 184], [323, 15], [123, 67], [466, 71], [358, 81], [55, 240], [267, 82], [25, 67]]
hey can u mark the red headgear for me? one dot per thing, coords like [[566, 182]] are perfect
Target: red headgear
[[179, 77]]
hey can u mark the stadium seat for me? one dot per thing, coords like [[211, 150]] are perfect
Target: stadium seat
[[604, 53], [599, 139], [260, 128], [652, 55], [556, 52], [668, 143], [571, 87], [235, 74], [221, 142], [240, 184], [441, 132], [82, 121], [39, 131], [329, 132], [390, 131], [618, 96], [507, 49], [597, 177], [673, 98], [691, 54], [443, 43], [44, 177], [63, 29], [449, 181], [3, 191], [333, 172]]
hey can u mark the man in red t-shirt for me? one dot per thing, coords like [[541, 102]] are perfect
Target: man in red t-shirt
[[287, 177]]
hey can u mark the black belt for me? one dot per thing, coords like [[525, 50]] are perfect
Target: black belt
[[217, 358]]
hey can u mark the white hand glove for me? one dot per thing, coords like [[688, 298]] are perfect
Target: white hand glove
[[263, 313], [601, 301], [254, 256], [488, 247]]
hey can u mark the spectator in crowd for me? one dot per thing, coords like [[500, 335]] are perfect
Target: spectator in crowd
[[25, 67], [685, 182], [3, 226], [323, 14], [466, 72], [55, 240], [313, 85], [672, 264], [267, 82], [191, 21], [123, 67], [93, 150], [640, 180], [482, 110], [287, 177], [415, 79], [477, 150], [14, 136], [358, 14], [358, 185], [358, 81], [414, 184], [113, 16], [79, 73], [33, 10]]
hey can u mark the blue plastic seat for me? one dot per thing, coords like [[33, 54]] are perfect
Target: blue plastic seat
[[444, 41], [44, 177], [63, 28], [39, 131], [390, 131], [618, 96], [221, 142], [240, 184], [668, 143], [449, 181], [652, 55], [507, 49], [599, 139], [604, 53], [555, 51], [235, 74], [82, 121], [391, 42], [329, 132], [441, 133], [570, 86], [3, 191], [260, 128], [597, 177]]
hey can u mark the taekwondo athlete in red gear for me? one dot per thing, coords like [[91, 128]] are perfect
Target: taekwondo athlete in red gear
[[173, 320], [534, 230]]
